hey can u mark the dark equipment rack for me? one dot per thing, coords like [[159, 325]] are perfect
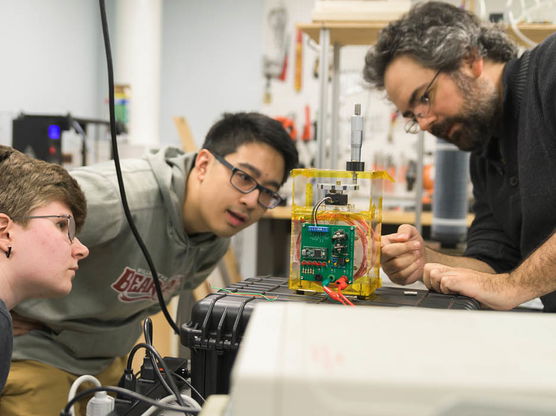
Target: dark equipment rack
[[219, 320]]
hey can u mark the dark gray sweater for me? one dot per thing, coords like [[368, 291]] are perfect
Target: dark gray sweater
[[514, 176]]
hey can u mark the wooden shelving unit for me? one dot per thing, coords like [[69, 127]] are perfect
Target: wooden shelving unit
[[345, 33], [366, 33], [537, 32]]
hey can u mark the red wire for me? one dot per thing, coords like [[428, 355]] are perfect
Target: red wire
[[347, 301], [333, 295], [338, 296], [342, 283], [361, 229]]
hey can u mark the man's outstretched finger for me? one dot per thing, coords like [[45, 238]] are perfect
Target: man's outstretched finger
[[393, 239], [407, 230]]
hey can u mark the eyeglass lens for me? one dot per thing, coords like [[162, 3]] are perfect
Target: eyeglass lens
[[70, 223], [71, 228], [245, 183], [424, 104]]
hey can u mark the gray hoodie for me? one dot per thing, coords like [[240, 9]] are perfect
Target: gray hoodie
[[113, 289]]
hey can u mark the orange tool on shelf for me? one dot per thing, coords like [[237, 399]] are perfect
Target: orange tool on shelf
[[289, 125], [306, 135], [298, 76]]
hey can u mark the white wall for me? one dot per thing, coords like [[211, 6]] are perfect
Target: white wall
[[49, 59], [54, 62], [211, 62]]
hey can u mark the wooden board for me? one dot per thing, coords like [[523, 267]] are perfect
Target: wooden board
[[366, 33]]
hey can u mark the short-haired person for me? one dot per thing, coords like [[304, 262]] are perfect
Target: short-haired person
[[41, 207], [461, 80], [185, 207]]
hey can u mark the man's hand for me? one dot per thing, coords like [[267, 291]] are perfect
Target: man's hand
[[496, 291], [23, 325], [403, 255]]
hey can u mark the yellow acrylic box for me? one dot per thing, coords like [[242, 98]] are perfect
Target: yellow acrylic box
[[336, 230]]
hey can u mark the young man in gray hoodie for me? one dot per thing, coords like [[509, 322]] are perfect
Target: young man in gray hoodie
[[185, 206]]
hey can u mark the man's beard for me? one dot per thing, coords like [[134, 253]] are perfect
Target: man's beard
[[479, 116]]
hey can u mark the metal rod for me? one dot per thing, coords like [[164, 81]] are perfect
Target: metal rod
[[335, 136], [419, 180], [323, 102]]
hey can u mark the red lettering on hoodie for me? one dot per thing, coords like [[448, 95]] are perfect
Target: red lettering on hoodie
[[132, 286]]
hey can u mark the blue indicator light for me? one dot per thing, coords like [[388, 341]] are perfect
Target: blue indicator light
[[54, 132]]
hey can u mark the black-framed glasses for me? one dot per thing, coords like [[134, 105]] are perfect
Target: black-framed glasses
[[69, 224], [245, 183], [424, 103]]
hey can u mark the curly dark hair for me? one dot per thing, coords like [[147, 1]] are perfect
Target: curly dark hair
[[439, 36]]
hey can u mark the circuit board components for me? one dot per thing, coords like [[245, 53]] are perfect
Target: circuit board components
[[327, 253]]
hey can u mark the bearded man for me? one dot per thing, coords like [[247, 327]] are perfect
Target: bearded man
[[461, 80]]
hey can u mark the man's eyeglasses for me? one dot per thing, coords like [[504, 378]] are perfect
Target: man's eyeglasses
[[245, 183], [424, 104], [68, 224]]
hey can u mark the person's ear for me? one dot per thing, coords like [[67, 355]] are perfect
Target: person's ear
[[5, 228], [202, 161], [477, 66], [474, 64]]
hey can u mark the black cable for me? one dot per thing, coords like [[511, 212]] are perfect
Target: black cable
[[128, 393], [128, 216], [316, 208], [193, 389], [148, 330], [170, 386], [163, 382]]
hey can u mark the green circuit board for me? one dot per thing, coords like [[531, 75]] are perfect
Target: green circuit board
[[326, 252]]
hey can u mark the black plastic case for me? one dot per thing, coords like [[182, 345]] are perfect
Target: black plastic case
[[218, 321]]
